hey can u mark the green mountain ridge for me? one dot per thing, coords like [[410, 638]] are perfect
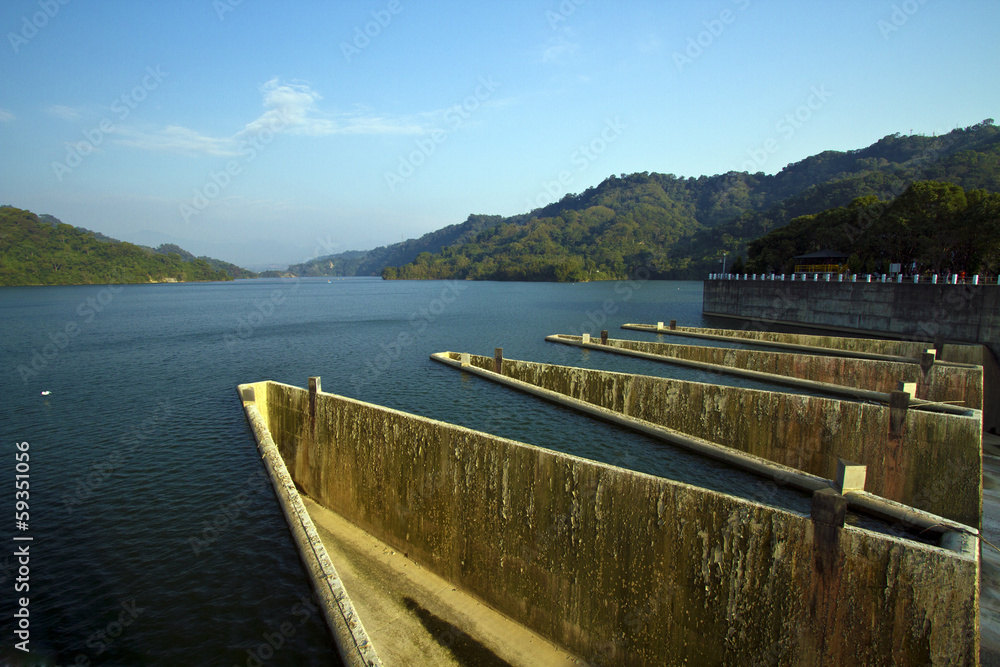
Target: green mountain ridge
[[673, 227], [42, 250]]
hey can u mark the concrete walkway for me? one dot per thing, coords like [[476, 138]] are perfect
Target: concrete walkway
[[415, 617], [989, 578]]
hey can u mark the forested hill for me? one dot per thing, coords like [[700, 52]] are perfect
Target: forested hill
[[677, 228], [41, 250], [932, 227], [673, 227]]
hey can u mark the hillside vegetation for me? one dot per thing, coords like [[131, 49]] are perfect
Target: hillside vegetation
[[932, 227], [677, 228], [669, 226], [41, 250]]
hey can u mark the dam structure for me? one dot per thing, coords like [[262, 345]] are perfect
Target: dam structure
[[938, 313], [838, 541]]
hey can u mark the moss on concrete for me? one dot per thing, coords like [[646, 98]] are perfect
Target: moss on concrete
[[621, 567]]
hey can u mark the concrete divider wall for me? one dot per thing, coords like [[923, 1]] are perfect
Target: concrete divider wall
[[938, 383], [963, 313], [919, 312], [953, 352], [622, 567], [934, 465]]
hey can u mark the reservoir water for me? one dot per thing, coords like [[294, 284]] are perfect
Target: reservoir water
[[154, 537]]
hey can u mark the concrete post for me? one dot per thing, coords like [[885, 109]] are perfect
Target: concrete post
[[975, 279], [899, 403], [604, 337], [673, 325], [854, 278], [315, 387], [939, 344], [934, 279], [498, 360], [916, 279], [927, 359], [829, 507], [850, 476]]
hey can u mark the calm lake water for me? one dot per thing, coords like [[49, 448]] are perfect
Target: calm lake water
[[155, 539]]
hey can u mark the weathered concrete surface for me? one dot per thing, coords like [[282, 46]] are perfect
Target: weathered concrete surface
[[347, 629], [905, 349], [621, 567], [933, 463], [962, 385], [922, 312], [416, 617]]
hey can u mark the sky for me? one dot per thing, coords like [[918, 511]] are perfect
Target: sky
[[267, 133]]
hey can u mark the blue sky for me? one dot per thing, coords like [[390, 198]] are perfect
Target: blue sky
[[266, 133]]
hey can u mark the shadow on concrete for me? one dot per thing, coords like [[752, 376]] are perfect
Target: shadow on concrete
[[465, 649]]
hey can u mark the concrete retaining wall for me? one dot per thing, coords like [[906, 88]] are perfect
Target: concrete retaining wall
[[621, 567], [959, 384], [933, 463], [922, 312]]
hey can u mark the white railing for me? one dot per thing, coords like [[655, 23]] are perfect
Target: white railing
[[935, 279]]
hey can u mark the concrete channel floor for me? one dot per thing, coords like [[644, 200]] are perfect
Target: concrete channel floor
[[415, 617]]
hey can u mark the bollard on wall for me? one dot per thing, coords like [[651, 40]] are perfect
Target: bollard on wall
[[899, 403], [673, 325], [585, 339], [829, 507], [466, 359], [850, 476], [604, 337], [928, 358], [498, 360]]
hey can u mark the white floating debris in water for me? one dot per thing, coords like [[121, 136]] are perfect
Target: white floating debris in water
[[46, 392]]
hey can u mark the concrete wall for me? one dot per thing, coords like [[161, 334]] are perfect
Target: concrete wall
[[934, 463], [953, 352], [957, 313], [938, 383], [620, 567]]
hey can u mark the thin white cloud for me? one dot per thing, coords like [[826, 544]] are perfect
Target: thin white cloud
[[559, 50], [176, 139], [6, 116], [288, 109], [64, 112]]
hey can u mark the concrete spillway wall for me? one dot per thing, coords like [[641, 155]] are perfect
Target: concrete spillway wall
[[922, 312], [952, 352], [621, 567], [925, 460], [958, 384]]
